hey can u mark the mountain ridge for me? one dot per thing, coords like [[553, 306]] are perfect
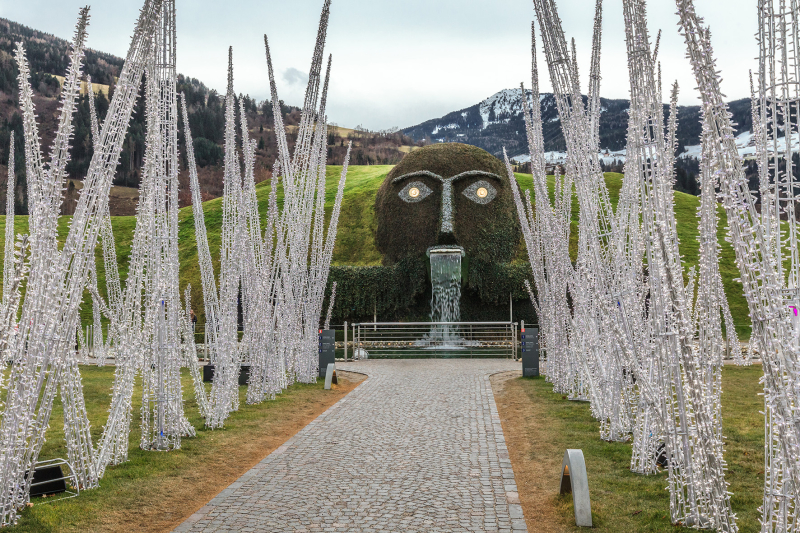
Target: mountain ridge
[[497, 122]]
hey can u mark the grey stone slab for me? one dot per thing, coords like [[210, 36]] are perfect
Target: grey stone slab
[[418, 446]]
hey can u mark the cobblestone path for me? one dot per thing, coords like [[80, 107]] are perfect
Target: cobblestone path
[[418, 446]]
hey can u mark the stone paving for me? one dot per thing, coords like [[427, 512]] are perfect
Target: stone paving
[[418, 446]]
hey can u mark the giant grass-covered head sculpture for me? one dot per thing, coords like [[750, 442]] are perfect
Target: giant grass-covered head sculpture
[[447, 195]]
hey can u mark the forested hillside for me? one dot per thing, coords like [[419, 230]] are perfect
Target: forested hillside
[[48, 58]]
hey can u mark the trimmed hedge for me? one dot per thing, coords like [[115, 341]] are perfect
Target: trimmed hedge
[[389, 290], [493, 282], [402, 292]]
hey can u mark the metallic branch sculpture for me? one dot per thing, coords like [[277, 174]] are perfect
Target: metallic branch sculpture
[[225, 388], [163, 420], [11, 295], [756, 238], [764, 245], [546, 230], [276, 274], [630, 341], [8, 258], [145, 322], [16, 275], [775, 106], [303, 247], [330, 306], [58, 277], [689, 392], [605, 302], [712, 309], [209, 284], [190, 354]]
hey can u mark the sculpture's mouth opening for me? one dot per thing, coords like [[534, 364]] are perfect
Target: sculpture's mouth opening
[[445, 249]]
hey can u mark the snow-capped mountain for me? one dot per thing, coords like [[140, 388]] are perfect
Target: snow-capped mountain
[[497, 123]]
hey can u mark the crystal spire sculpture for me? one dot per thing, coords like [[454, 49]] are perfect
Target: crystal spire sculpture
[[546, 230], [698, 491], [605, 279], [331, 302], [774, 304], [11, 297], [276, 274], [615, 333], [303, 246], [8, 258], [760, 248], [711, 311], [190, 354], [163, 419], [58, 277], [225, 386], [8, 320]]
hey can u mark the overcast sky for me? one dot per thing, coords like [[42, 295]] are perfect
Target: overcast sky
[[401, 63]]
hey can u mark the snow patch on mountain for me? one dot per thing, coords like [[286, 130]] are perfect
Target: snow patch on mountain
[[437, 129], [608, 157], [746, 146], [502, 106]]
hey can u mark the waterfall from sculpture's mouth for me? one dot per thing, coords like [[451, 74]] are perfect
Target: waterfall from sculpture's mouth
[[446, 300], [446, 281]]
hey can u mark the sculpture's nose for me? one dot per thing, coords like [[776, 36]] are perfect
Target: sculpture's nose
[[446, 215]]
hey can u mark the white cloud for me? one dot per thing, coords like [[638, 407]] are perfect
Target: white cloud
[[292, 76]]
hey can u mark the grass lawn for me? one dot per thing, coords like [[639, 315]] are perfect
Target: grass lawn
[[539, 425], [156, 491]]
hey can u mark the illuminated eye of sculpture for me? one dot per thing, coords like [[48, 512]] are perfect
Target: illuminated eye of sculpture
[[480, 192], [415, 191]]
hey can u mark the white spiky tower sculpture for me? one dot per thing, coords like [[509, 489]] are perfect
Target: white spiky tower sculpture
[[757, 238], [278, 273], [546, 229], [58, 277], [281, 272], [690, 425], [775, 107], [9, 317], [13, 262], [629, 324], [599, 289], [712, 311], [163, 420], [146, 321], [304, 246], [225, 388], [8, 258], [766, 247]]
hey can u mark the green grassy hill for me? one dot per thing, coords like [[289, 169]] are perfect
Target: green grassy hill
[[355, 244]]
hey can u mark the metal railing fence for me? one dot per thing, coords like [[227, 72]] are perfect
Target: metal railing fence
[[434, 339]]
